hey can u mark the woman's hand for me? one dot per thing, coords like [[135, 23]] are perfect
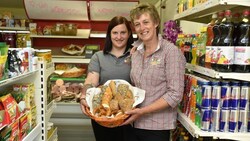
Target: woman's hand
[[134, 114], [83, 105]]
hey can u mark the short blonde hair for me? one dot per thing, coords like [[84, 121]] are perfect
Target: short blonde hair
[[142, 8]]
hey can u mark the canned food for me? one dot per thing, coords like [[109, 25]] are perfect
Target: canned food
[[44, 54]]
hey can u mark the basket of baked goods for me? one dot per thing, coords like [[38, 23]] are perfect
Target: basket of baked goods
[[108, 103]]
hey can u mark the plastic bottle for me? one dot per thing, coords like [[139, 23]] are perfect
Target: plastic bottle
[[242, 51], [194, 48], [215, 42], [236, 21], [225, 51], [202, 47], [210, 37]]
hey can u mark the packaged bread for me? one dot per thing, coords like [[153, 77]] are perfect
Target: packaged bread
[[74, 72]]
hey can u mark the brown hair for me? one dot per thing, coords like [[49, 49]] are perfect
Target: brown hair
[[142, 8], [117, 20]]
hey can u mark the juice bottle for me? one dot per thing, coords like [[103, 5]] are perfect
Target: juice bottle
[[194, 48], [225, 51], [242, 51], [215, 42], [202, 47], [210, 37]]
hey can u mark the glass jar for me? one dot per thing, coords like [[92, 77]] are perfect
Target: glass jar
[[58, 29], [70, 29]]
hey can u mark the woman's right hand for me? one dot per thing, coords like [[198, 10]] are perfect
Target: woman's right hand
[[83, 105]]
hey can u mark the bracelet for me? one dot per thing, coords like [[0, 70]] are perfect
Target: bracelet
[[87, 86], [83, 98]]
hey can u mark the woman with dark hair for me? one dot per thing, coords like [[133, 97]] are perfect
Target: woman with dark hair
[[111, 63]]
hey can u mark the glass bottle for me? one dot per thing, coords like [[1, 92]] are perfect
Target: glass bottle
[[210, 37], [242, 51], [225, 50], [215, 42]]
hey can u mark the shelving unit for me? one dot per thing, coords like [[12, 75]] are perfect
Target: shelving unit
[[196, 132], [219, 75], [44, 110], [210, 7], [200, 14], [64, 59]]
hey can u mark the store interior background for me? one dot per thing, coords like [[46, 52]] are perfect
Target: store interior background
[[166, 8], [72, 130]]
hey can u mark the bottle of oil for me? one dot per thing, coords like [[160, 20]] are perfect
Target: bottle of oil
[[242, 51], [216, 40], [225, 50]]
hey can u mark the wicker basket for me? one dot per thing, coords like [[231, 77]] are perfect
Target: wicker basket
[[108, 122], [117, 120]]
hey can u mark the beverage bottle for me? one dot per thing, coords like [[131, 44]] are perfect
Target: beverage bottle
[[242, 51], [216, 39], [236, 21], [194, 48], [202, 47], [187, 48], [210, 37], [225, 50]]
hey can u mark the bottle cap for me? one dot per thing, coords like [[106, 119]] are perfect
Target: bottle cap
[[228, 13], [246, 12], [214, 16]]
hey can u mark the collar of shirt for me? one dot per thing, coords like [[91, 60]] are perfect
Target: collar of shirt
[[140, 45], [124, 54]]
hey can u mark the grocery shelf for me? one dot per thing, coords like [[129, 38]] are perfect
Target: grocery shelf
[[210, 7], [70, 60], [218, 75], [16, 78], [81, 34], [53, 136], [98, 34], [34, 133], [14, 29], [196, 132], [50, 109]]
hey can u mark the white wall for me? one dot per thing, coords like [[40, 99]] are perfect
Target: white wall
[[169, 12]]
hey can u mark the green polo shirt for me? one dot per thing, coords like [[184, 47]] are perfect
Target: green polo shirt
[[110, 67]]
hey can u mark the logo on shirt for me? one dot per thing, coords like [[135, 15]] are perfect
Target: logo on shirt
[[155, 61]]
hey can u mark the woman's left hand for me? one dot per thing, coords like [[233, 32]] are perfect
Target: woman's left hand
[[134, 114]]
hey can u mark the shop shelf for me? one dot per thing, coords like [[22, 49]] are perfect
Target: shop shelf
[[219, 75], [50, 109], [34, 133], [81, 34], [196, 132], [210, 7], [16, 78], [53, 136], [70, 60]]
